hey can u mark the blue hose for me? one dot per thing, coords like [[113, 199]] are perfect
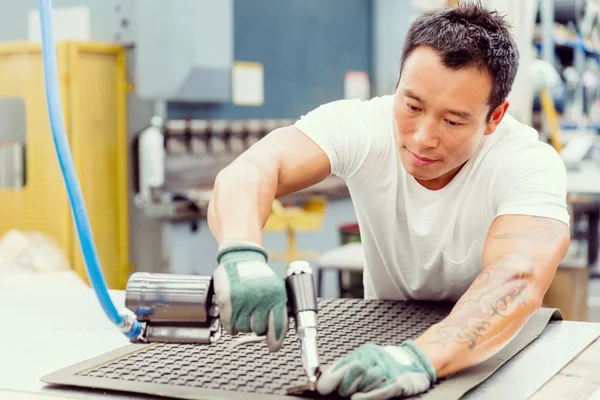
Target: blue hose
[[61, 144]]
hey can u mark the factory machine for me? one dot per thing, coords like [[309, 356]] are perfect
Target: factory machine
[[175, 163], [178, 161], [177, 158]]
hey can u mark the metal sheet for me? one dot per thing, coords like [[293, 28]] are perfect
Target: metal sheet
[[249, 372], [539, 362]]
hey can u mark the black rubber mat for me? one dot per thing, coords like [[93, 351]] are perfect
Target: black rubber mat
[[344, 325], [249, 371]]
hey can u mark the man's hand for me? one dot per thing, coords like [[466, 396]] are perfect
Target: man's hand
[[374, 372], [251, 297]]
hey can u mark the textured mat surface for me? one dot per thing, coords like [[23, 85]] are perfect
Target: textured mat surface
[[250, 371]]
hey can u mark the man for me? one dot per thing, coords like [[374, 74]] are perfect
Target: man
[[455, 199]]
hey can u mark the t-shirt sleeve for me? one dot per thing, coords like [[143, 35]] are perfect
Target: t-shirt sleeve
[[343, 129], [534, 183]]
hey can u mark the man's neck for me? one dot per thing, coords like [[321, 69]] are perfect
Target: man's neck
[[440, 182]]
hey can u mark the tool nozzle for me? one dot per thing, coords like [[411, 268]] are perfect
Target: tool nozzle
[[304, 308]]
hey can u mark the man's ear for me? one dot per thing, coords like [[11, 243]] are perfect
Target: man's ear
[[496, 117]]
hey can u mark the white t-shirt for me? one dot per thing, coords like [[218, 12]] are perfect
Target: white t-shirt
[[422, 244]]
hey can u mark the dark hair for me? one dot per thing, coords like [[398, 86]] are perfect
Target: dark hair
[[469, 35]]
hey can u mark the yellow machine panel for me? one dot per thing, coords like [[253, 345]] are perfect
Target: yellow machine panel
[[93, 92], [42, 203]]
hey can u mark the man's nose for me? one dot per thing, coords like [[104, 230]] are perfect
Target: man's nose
[[425, 135]]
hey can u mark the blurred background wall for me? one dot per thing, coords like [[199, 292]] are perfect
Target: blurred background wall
[[305, 47], [222, 74]]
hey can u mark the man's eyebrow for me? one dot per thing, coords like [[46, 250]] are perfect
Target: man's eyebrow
[[411, 94]]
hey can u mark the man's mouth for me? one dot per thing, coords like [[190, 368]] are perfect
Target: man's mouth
[[424, 159]]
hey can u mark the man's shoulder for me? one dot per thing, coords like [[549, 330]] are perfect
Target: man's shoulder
[[516, 133], [383, 101], [356, 112], [378, 106], [518, 147], [515, 152]]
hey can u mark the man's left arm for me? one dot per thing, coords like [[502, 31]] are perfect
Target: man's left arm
[[520, 258]]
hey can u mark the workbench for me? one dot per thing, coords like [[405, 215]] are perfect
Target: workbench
[[49, 329]]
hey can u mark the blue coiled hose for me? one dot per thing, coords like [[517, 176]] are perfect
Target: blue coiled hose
[[131, 328]]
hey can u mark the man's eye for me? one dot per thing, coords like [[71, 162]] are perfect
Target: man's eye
[[412, 108], [453, 123]]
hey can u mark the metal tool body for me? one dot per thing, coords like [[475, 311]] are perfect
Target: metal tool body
[[173, 308]]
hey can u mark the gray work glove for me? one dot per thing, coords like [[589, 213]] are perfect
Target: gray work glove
[[250, 296], [374, 372]]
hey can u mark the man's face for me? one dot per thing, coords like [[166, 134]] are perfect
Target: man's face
[[440, 117]]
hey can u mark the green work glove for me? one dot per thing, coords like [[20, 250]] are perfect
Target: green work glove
[[250, 296], [374, 372]]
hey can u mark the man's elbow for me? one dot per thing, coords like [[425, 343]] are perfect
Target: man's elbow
[[222, 185], [546, 267], [535, 301], [248, 169], [565, 242]]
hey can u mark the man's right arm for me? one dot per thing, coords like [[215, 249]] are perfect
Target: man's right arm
[[283, 162], [250, 296]]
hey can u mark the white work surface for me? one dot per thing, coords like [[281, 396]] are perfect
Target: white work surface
[[44, 330]]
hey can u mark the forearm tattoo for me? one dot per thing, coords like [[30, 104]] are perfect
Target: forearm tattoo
[[498, 291]]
